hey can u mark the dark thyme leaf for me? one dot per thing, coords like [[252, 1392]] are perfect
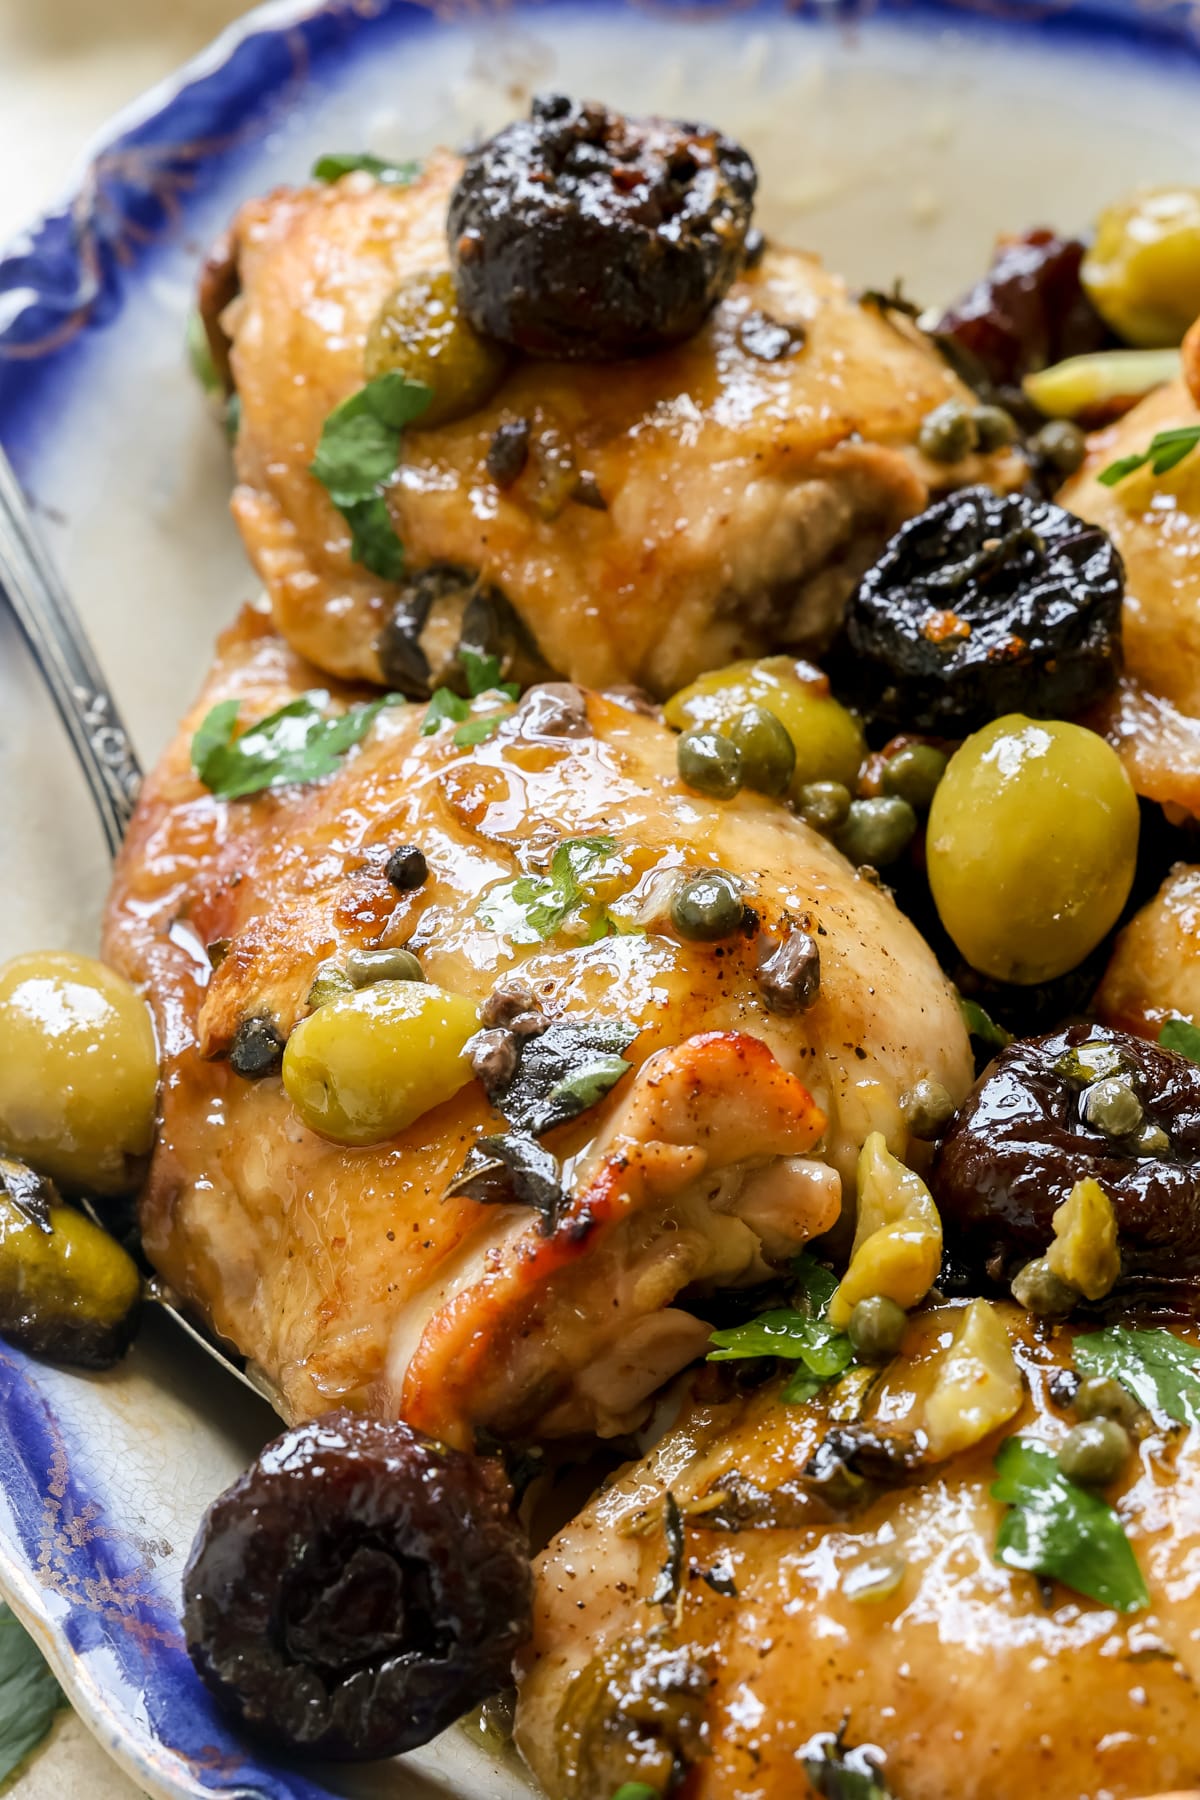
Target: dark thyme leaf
[[513, 1170], [666, 1586], [569, 1067]]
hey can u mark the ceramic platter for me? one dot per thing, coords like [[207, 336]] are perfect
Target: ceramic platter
[[897, 141]]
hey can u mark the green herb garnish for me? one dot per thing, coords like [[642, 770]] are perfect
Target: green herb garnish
[[338, 163], [1181, 1036], [357, 455], [532, 908], [1167, 449], [563, 1071], [483, 677], [636, 1790], [200, 357], [1158, 1368], [799, 1333], [302, 741], [982, 1027], [29, 1694], [1058, 1529], [839, 1773]]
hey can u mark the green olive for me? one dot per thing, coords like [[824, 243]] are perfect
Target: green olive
[[877, 1328], [876, 831], [1102, 1397], [913, 774], [68, 1292], [823, 804], [420, 332], [78, 1071], [709, 762], [1031, 848], [995, 428], [365, 1065], [365, 967], [1113, 1107], [948, 433], [1142, 272], [828, 740], [1061, 444], [1043, 1293], [767, 752], [708, 907], [1095, 1452]]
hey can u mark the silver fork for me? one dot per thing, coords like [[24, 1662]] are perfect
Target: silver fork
[[52, 628]]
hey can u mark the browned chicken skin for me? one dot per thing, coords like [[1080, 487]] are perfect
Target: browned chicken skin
[[733, 499], [965, 1677], [348, 1275]]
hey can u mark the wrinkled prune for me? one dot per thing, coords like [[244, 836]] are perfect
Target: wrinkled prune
[[986, 604], [1025, 1136], [357, 1589], [581, 233]]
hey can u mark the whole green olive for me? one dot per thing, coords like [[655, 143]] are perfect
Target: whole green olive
[[876, 831], [1031, 848], [365, 1065], [876, 1329], [1142, 272], [1094, 1453], [828, 740], [78, 1071], [767, 752], [710, 762], [67, 1289], [708, 907], [913, 774], [420, 332], [948, 433]]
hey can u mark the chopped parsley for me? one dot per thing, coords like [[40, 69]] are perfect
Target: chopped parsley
[[800, 1334], [534, 907], [1158, 1368], [1181, 1036], [335, 164], [982, 1027], [1056, 1528], [483, 677], [1167, 449], [357, 456], [29, 1694], [302, 741]]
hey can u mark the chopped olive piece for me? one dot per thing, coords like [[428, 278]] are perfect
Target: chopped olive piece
[[256, 1050], [710, 762], [876, 831], [1094, 1453], [789, 976], [407, 869], [948, 433], [1142, 272], [421, 333], [581, 233], [913, 774], [983, 604], [767, 752], [823, 804], [67, 1289], [357, 1589], [708, 907], [365, 967], [876, 1329]]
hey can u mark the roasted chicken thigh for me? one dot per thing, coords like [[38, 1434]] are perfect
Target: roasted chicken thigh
[[362, 1274]]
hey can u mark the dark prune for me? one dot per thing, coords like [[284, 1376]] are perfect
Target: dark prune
[[1028, 311], [1028, 1132], [358, 1588], [581, 233], [986, 604]]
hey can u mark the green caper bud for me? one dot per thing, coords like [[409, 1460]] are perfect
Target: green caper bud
[[1060, 444], [1102, 1397], [823, 804], [767, 752], [1152, 1140], [708, 907], [1095, 1452], [329, 981], [994, 428], [913, 774], [877, 831], [710, 763], [925, 1108], [1111, 1106], [420, 332], [365, 967], [948, 433], [877, 1328], [1043, 1293]]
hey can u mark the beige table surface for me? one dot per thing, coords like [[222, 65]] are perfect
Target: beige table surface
[[65, 67]]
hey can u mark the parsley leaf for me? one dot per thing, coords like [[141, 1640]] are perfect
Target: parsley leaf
[[1181, 1036], [483, 675], [29, 1694], [636, 1790], [443, 704], [299, 742], [1167, 449], [335, 164], [475, 731], [1157, 1367], [798, 1333], [532, 908], [357, 454], [1059, 1529]]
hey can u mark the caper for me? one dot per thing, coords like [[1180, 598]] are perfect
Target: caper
[[994, 428], [1095, 1452], [948, 433], [709, 762], [67, 1290], [365, 967], [708, 907], [828, 740], [913, 774], [877, 1328], [1060, 444], [406, 868], [1043, 1293], [877, 831], [1152, 1140], [823, 804], [420, 332], [767, 752], [926, 1107], [329, 981], [1103, 1397], [1111, 1106]]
